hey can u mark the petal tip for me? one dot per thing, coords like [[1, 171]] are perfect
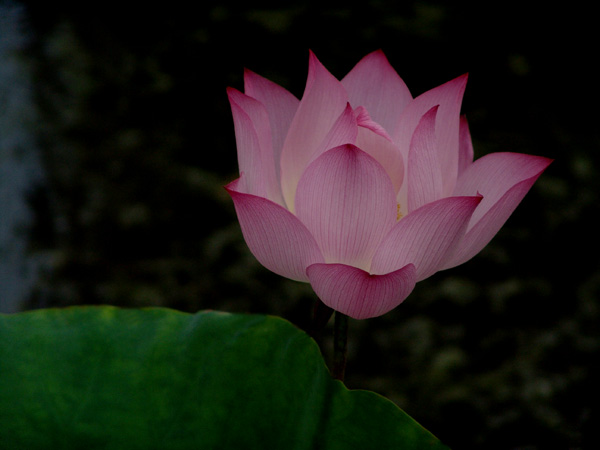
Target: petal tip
[[231, 91]]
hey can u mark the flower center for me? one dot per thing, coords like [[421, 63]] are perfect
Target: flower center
[[398, 212]]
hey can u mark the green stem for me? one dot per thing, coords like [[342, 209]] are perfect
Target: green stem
[[321, 315], [340, 345]]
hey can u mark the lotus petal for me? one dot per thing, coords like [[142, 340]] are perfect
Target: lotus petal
[[253, 139], [347, 201], [424, 174], [503, 179], [276, 237], [374, 84], [281, 107], [357, 293], [323, 101], [426, 237]]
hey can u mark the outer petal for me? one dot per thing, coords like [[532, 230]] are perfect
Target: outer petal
[[347, 201], [424, 174], [281, 107], [323, 101], [358, 294], [426, 237], [449, 97], [275, 236], [254, 147], [465, 146], [374, 84], [503, 179]]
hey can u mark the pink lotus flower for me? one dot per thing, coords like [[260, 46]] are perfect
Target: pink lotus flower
[[361, 190]]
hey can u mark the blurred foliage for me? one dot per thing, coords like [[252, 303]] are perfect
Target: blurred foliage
[[137, 142]]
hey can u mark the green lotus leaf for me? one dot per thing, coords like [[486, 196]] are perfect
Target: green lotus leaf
[[110, 378]]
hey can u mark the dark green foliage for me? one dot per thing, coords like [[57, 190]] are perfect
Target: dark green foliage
[[102, 377]]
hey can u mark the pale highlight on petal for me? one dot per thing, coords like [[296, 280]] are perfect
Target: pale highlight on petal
[[374, 84], [347, 201], [323, 101], [426, 237], [357, 293], [277, 239]]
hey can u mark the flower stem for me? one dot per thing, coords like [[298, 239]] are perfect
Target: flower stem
[[340, 345], [321, 315]]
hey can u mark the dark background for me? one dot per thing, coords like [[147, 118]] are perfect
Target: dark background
[[137, 141]]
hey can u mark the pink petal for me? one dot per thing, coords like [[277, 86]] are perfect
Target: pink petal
[[374, 84], [465, 146], [324, 100], [347, 201], [385, 153], [374, 140], [358, 294], [275, 236], [343, 131], [503, 179], [281, 107], [424, 174], [425, 237], [253, 139], [449, 97], [364, 120]]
